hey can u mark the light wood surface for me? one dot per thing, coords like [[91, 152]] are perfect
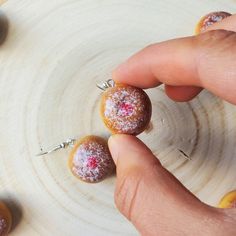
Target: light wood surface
[[53, 55], [2, 1]]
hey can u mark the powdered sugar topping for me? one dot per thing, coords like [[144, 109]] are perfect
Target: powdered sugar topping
[[92, 161], [213, 18], [126, 109], [3, 225]]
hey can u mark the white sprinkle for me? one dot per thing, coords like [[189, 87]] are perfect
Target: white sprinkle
[[3, 224]]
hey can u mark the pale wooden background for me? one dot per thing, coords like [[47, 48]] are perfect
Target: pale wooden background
[[54, 53]]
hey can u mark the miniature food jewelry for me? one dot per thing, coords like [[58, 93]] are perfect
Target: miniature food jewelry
[[125, 109]]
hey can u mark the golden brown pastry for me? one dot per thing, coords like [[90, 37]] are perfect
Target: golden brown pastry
[[125, 109], [209, 20], [90, 159], [229, 200], [5, 219]]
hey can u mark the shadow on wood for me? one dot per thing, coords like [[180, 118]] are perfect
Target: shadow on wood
[[4, 25], [16, 211]]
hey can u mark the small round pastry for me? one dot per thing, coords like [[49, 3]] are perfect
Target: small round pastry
[[90, 159], [125, 109], [228, 201], [209, 20], [5, 219]]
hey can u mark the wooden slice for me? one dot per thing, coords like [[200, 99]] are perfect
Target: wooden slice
[[54, 54]]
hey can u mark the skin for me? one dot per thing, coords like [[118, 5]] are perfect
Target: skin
[[146, 193]]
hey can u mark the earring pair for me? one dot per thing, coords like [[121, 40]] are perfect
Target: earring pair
[[124, 109]]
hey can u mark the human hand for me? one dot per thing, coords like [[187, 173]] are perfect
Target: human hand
[[146, 193]]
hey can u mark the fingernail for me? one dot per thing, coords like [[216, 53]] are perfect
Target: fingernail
[[114, 149]]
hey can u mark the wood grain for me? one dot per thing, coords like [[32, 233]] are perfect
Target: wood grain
[[2, 1], [54, 53]]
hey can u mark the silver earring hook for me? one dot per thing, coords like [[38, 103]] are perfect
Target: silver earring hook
[[69, 142], [107, 84]]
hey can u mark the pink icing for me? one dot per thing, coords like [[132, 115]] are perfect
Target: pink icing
[[126, 109], [92, 162]]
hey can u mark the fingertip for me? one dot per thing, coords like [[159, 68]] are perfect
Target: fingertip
[[117, 142], [182, 93], [131, 149], [136, 71], [119, 73], [113, 148], [120, 141]]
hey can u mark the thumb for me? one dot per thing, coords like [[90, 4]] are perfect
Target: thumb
[[153, 199]]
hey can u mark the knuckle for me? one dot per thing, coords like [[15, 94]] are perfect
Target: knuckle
[[212, 46], [214, 36], [127, 190]]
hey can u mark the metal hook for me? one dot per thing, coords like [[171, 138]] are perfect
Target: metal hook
[[69, 142], [107, 84]]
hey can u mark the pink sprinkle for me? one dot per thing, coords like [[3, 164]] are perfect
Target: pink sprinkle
[[92, 162], [126, 109]]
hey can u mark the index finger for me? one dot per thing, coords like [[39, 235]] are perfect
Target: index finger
[[172, 62]]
